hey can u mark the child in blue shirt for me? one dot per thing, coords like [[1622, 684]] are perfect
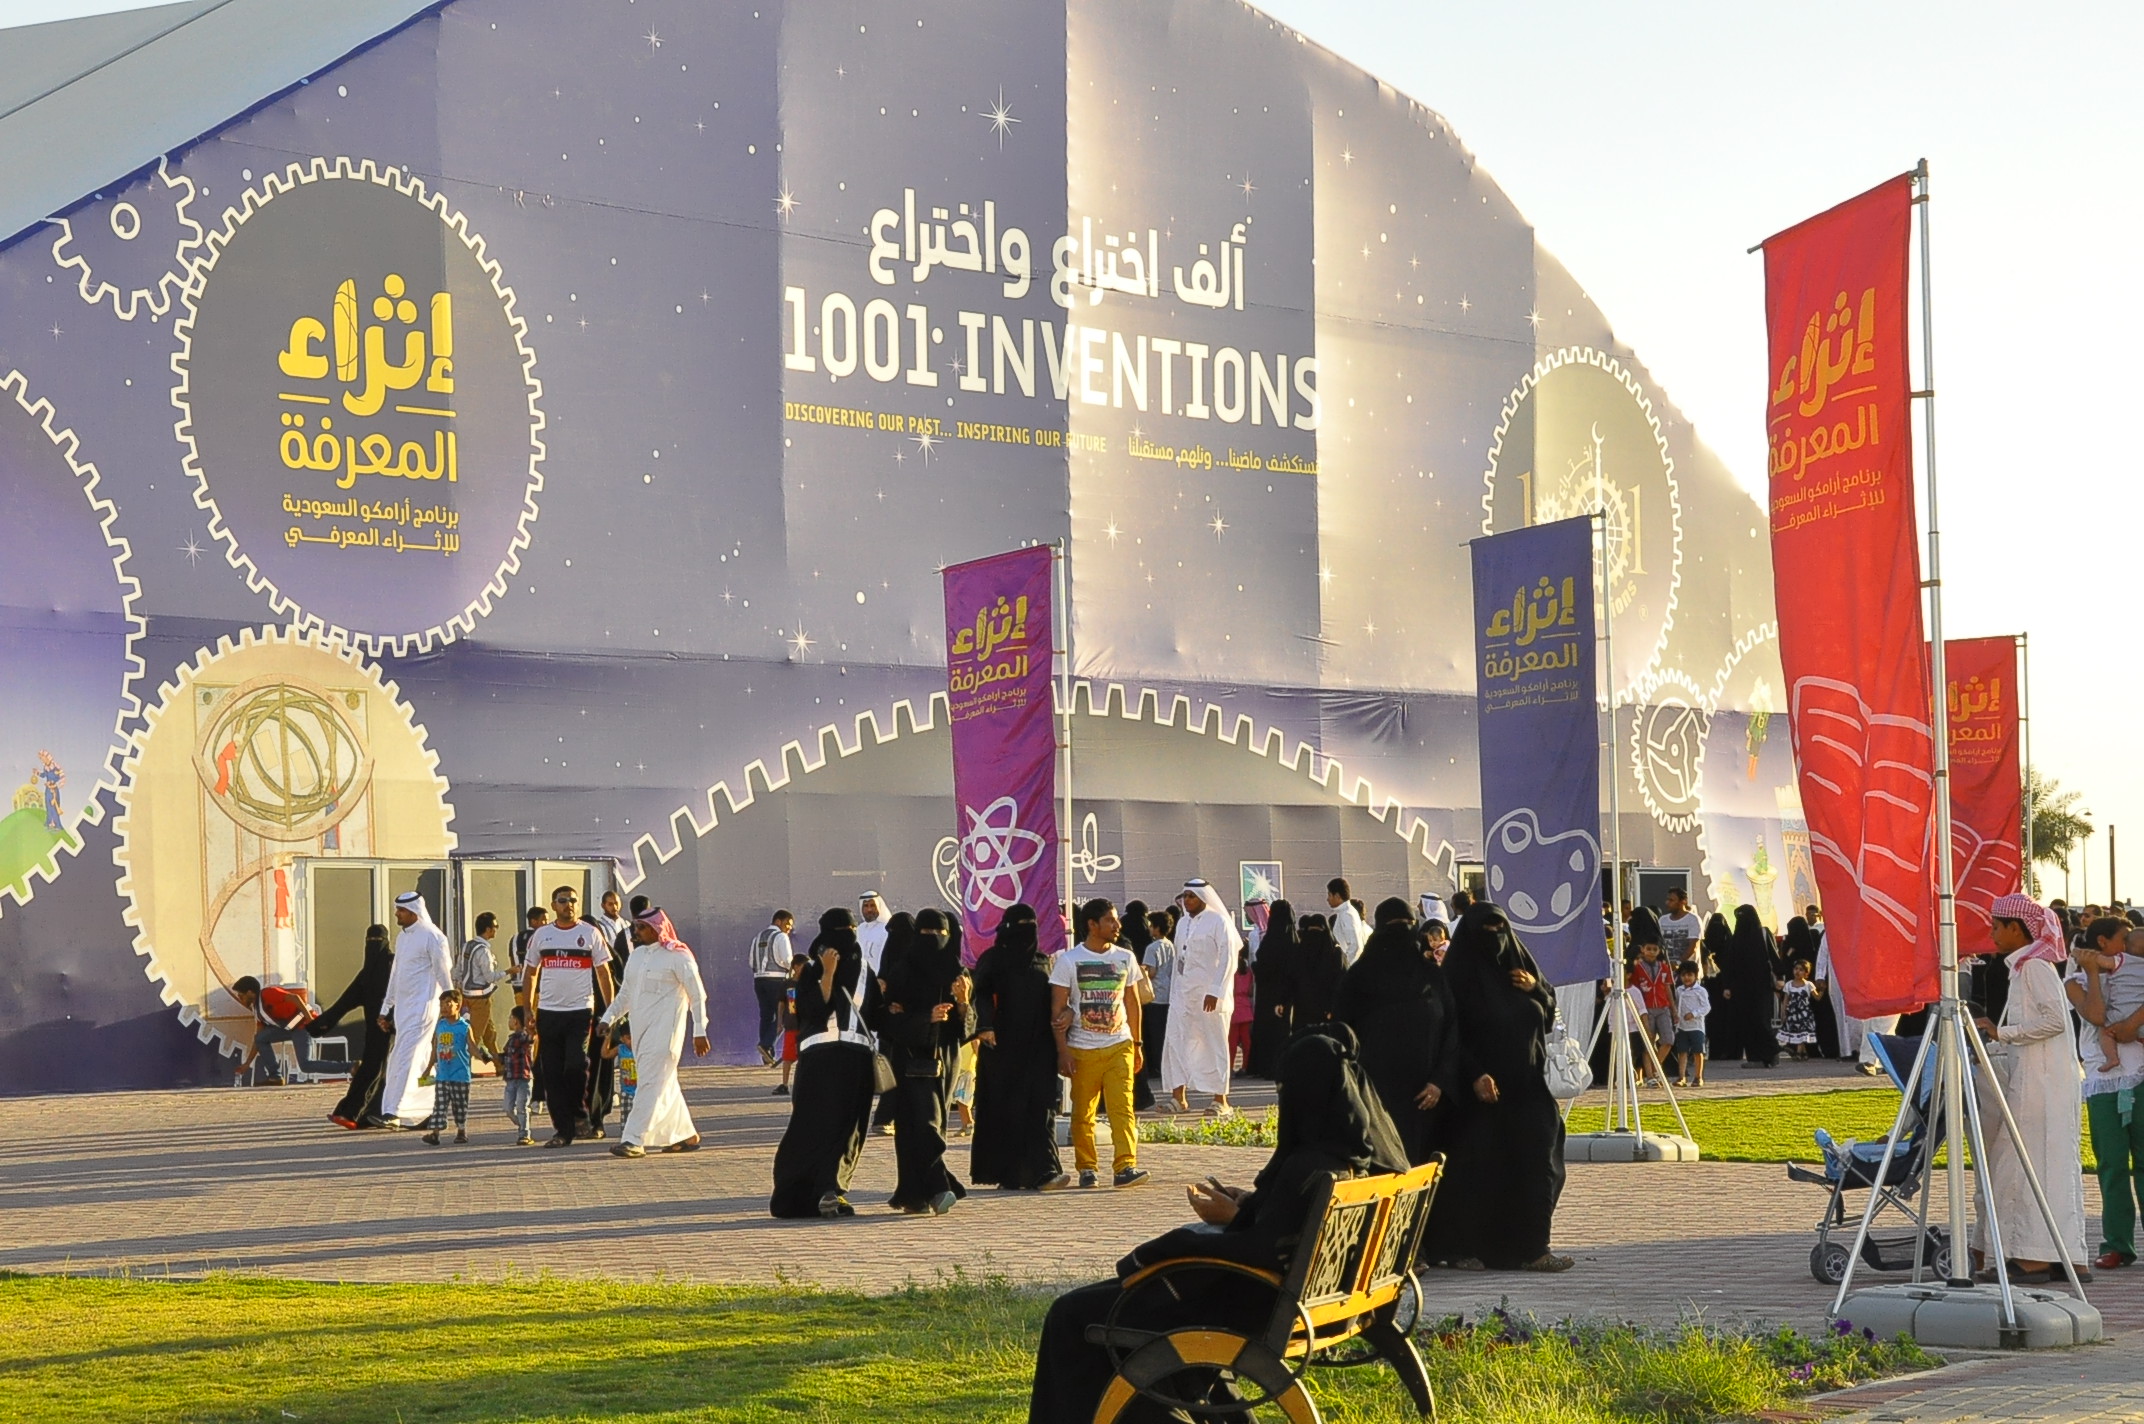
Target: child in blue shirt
[[450, 1069]]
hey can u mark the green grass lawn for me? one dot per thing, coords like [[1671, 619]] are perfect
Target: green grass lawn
[[228, 1348], [1779, 1128]]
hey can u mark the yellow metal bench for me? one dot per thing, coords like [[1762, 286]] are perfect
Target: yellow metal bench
[[1351, 1279]]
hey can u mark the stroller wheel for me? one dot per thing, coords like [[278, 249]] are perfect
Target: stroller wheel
[[1827, 1262], [1936, 1253]]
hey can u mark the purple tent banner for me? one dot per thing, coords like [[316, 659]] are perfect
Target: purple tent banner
[[997, 631], [1540, 741]]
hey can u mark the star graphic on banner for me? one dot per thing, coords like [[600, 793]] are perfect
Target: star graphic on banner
[[1414, 262], [700, 125], [926, 442], [1110, 530], [727, 596], [802, 643], [55, 331], [1218, 525], [1534, 317], [1464, 304], [1325, 575], [1247, 186], [1347, 157], [705, 295], [1370, 629], [655, 41], [1000, 118], [192, 550], [786, 203]]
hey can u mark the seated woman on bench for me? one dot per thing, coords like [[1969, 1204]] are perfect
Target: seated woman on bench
[[1330, 1121]]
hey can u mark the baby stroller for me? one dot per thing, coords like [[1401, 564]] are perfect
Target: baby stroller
[[1852, 1167]]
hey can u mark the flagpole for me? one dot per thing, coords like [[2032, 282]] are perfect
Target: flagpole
[[1061, 655], [2024, 731]]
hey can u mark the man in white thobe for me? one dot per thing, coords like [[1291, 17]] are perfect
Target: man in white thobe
[[872, 913], [421, 973], [662, 990], [1202, 999], [1349, 932]]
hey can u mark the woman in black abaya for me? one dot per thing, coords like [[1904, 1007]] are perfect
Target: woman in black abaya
[[1015, 1144], [927, 1018], [830, 1107], [1723, 1032], [1750, 977], [1395, 1000], [1330, 1122], [360, 1103], [1273, 991], [1497, 1203], [1319, 967]]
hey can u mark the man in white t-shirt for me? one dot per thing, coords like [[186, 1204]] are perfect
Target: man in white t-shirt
[[568, 961], [1096, 1015], [1349, 932], [1682, 934]]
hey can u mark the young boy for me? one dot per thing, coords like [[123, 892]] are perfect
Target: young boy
[[1692, 1004], [515, 1064], [450, 1069], [1655, 986], [786, 1023], [620, 1050]]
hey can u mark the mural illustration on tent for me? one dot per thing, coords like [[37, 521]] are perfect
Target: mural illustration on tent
[[596, 392]]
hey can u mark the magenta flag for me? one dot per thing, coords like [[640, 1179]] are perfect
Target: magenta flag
[[997, 662]]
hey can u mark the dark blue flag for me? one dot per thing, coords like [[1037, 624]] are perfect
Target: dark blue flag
[[1540, 741]]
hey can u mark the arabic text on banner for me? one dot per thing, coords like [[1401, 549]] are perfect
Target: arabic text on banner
[[998, 644], [1540, 741], [1986, 795], [1847, 576]]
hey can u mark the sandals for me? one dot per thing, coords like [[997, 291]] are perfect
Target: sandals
[[629, 1149], [690, 1144], [1549, 1263]]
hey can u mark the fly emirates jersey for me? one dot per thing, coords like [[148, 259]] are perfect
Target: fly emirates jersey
[[568, 959]]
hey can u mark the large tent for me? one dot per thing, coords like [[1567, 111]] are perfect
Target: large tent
[[471, 445]]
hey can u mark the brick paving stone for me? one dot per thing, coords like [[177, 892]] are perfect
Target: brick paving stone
[[257, 1181]]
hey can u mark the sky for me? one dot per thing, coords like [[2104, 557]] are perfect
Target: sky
[[1651, 144]]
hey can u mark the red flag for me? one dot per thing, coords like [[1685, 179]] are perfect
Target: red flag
[[1848, 589], [1986, 796]]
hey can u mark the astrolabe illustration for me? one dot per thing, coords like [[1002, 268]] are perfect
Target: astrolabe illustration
[[282, 759]]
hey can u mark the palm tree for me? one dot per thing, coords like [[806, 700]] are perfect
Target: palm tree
[[2057, 826]]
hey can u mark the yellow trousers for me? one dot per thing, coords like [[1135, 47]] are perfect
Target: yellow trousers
[[1104, 1076]]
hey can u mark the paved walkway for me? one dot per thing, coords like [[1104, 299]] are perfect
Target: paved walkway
[[184, 1183]]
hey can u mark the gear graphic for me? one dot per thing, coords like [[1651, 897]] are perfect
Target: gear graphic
[[1572, 492], [106, 514], [132, 244], [271, 187], [1746, 644], [271, 723], [1667, 745]]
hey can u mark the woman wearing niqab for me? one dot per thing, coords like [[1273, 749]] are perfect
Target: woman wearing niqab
[[1750, 975], [1319, 966], [367, 994], [1015, 1143], [1330, 1123], [830, 1106], [1396, 1001], [927, 1018], [1273, 991], [1497, 1203]]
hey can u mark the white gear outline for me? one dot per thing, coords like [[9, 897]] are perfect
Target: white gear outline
[[1641, 702], [182, 681], [1746, 644], [1143, 704], [109, 775], [271, 187], [1601, 360], [127, 305]]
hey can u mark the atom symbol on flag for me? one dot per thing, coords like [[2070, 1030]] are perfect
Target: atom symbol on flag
[[996, 850]]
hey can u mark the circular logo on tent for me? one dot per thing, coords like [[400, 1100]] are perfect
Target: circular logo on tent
[[360, 406], [1579, 435], [1667, 746]]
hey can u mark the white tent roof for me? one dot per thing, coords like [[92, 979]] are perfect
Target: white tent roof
[[85, 102]]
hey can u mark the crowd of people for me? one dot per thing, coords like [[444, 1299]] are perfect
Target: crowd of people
[[599, 1013], [1447, 1020]]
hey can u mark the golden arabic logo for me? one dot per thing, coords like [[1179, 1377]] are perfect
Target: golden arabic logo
[[357, 388], [282, 760]]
